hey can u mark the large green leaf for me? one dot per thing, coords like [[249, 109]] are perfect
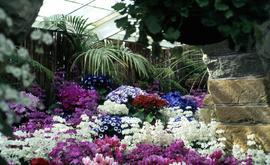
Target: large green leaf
[[221, 5], [152, 23], [239, 3], [119, 6], [172, 34], [202, 3]]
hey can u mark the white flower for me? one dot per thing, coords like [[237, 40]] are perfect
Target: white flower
[[113, 108]]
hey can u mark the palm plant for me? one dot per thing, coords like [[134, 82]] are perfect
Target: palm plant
[[108, 58], [98, 57], [187, 60]]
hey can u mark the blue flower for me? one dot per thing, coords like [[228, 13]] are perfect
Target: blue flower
[[175, 99], [111, 125]]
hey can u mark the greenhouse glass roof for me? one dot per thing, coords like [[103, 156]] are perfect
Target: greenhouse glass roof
[[98, 12]]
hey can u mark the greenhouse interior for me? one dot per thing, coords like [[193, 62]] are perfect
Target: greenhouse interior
[[134, 82]]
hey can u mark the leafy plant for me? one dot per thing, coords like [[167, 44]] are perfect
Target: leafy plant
[[19, 72], [75, 28], [97, 57], [168, 19], [108, 58]]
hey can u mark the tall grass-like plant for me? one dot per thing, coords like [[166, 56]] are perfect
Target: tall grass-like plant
[[187, 60], [98, 57], [108, 58]]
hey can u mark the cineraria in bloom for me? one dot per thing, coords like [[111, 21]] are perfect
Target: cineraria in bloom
[[111, 147], [149, 102], [96, 82], [72, 152], [110, 126], [175, 152], [99, 159], [124, 93], [72, 96], [24, 110], [175, 99], [37, 91], [113, 108], [36, 120]]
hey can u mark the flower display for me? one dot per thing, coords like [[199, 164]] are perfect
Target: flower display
[[72, 96], [24, 109], [110, 126], [123, 93], [99, 159], [149, 102], [111, 147], [96, 82], [175, 99], [131, 127], [39, 161], [113, 108], [72, 152]]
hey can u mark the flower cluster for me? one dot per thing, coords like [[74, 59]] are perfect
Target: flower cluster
[[110, 126], [124, 93], [24, 110], [40, 143], [149, 102], [113, 108], [37, 91], [111, 147], [72, 152], [96, 82], [175, 152], [72, 96], [98, 160], [175, 99]]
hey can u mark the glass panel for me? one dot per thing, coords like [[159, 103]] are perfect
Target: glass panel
[[106, 4], [52, 7], [81, 1], [93, 14]]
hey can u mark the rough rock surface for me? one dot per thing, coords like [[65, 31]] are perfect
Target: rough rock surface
[[223, 62], [243, 114], [242, 91], [238, 134], [23, 14]]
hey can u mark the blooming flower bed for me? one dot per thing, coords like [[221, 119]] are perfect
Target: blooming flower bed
[[130, 127]]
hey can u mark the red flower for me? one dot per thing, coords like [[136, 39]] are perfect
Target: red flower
[[39, 161], [149, 102]]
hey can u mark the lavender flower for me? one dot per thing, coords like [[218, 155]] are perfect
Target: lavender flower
[[123, 93]]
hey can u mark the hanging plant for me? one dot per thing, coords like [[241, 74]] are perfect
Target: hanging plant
[[193, 22]]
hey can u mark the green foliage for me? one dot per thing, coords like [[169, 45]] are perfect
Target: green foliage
[[98, 57], [75, 28], [13, 65], [163, 19], [108, 58]]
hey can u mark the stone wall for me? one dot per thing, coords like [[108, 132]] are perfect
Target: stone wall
[[239, 93]]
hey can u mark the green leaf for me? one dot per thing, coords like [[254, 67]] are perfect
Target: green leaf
[[172, 34], [5, 127], [139, 115], [3, 161], [229, 14], [239, 3], [150, 117], [209, 22], [184, 12], [119, 6], [152, 24], [220, 5], [202, 3]]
